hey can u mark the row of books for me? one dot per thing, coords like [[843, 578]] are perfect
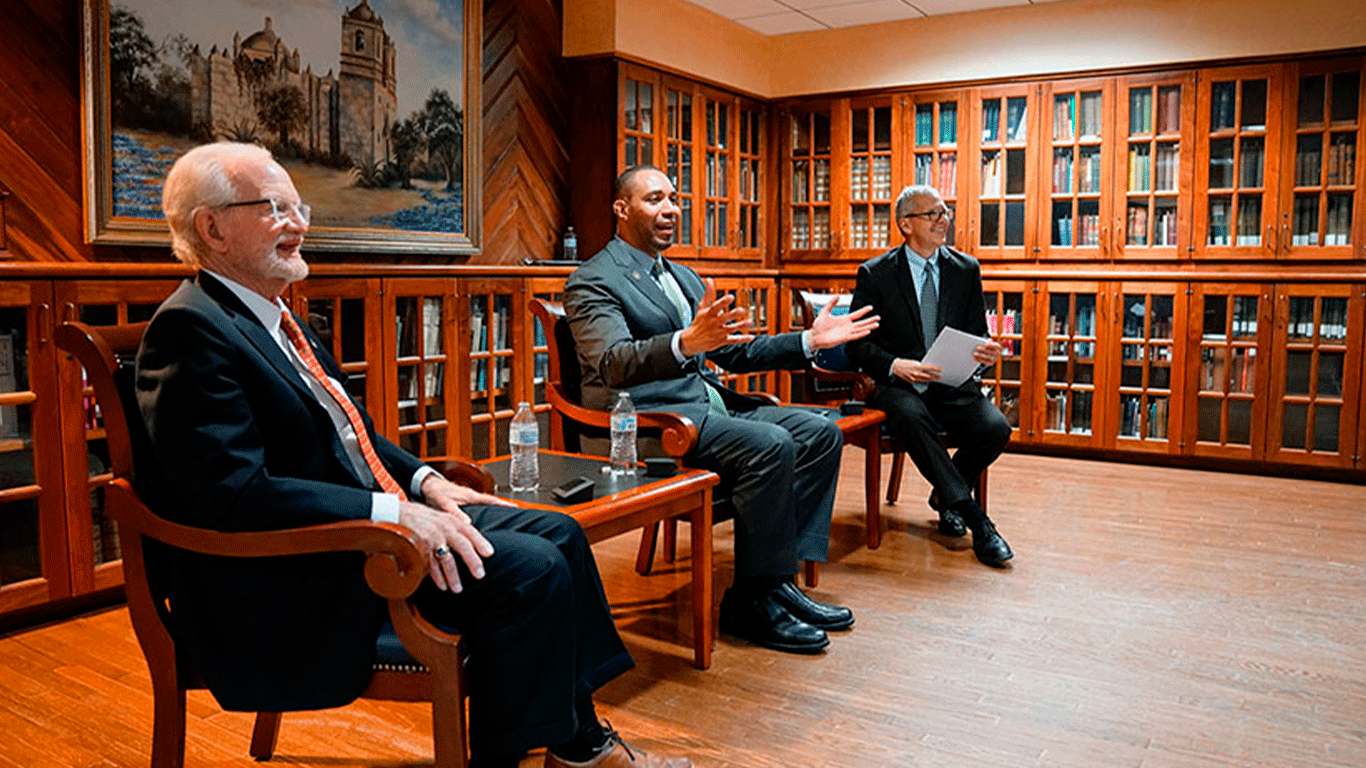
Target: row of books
[[1224, 101], [1085, 320], [1131, 413], [1088, 171], [1331, 323], [875, 236], [1149, 173], [1085, 232], [1338, 224], [1074, 118], [1244, 320], [1168, 110], [945, 179], [1249, 222], [1057, 352], [1341, 166], [878, 181], [1163, 226], [813, 232], [1250, 166], [1159, 327], [924, 124], [1242, 374], [1004, 324], [820, 178], [1016, 127], [1055, 414]]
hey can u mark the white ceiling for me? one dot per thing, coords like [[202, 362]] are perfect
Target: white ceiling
[[779, 17]]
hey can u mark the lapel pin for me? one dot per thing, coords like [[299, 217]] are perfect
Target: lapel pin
[[635, 273]]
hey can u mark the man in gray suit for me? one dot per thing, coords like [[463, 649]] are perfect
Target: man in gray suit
[[648, 326]]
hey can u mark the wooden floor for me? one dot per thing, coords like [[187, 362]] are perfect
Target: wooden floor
[[1153, 617]]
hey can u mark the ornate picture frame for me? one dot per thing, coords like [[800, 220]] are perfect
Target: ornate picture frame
[[369, 119]]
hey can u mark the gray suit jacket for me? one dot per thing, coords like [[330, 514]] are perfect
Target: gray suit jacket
[[623, 325]]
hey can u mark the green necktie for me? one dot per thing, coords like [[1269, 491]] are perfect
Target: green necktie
[[675, 296]]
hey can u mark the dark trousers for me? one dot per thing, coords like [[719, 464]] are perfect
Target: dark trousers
[[780, 466], [537, 629], [977, 426]]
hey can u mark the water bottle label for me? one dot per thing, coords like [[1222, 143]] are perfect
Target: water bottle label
[[624, 423], [524, 435]]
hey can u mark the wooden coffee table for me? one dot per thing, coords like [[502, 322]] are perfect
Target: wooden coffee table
[[625, 504]]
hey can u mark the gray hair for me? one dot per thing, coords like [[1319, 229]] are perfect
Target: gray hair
[[909, 194], [204, 177]]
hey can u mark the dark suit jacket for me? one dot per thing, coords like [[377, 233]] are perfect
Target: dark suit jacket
[[885, 283], [241, 444], [623, 326]]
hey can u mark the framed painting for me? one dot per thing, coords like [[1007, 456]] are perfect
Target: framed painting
[[364, 102]]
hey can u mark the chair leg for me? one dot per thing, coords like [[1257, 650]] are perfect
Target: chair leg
[[872, 513], [645, 555], [813, 573], [670, 540], [982, 490], [168, 722], [894, 481], [448, 733], [264, 735]]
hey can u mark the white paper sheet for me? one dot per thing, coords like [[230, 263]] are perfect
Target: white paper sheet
[[952, 351]]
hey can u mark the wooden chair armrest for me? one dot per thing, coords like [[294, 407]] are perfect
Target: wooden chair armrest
[[395, 565], [678, 434], [463, 472], [772, 399], [860, 384]]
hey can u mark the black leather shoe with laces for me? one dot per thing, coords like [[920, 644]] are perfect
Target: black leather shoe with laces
[[987, 544], [950, 524]]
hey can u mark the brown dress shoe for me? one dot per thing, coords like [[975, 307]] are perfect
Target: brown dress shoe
[[616, 754]]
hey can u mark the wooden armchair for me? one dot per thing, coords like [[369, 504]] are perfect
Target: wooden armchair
[[415, 660], [835, 378], [570, 422]]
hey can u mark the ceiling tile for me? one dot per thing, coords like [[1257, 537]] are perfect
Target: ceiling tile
[[869, 12], [806, 5], [780, 23], [739, 9], [937, 7]]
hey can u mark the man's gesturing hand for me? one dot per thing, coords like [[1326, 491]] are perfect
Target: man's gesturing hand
[[715, 324], [831, 330]]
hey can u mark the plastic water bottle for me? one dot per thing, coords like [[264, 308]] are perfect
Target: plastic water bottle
[[571, 244], [524, 436], [623, 436]]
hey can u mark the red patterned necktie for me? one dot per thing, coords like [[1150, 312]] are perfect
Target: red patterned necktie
[[367, 449]]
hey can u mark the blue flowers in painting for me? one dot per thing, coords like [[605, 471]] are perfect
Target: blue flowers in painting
[[138, 172], [444, 212]]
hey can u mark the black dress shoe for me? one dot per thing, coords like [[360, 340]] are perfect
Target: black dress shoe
[[817, 614], [988, 545], [764, 621], [950, 524]]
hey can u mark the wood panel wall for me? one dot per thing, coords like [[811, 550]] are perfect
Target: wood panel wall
[[526, 144], [525, 158]]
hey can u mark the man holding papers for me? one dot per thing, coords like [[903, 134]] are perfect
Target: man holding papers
[[924, 289]]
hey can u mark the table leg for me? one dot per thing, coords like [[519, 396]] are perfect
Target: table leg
[[703, 626]]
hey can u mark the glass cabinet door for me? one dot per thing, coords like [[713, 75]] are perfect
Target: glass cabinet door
[[1156, 115], [34, 533], [750, 194], [1149, 320], [1320, 203], [1003, 174], [1004, 383], [718, 126], [636, 125], [873, 184], [345, 314], [1236, 179], [806, 155], [1068, 360], [933, 149], [678, 156], [1227, 368], [419, 366], [1317, 361], [1079, 136]]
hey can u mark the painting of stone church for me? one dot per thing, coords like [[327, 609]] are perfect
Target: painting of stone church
[[348, 112], [358, 161]]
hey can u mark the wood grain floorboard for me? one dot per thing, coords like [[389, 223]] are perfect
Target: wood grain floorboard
[[1153, 618]]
